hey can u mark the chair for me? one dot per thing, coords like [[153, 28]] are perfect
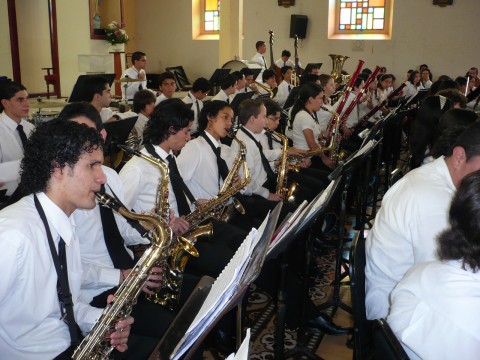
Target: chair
[[50, 79], [386, 344], [362, 330], [181, 78]]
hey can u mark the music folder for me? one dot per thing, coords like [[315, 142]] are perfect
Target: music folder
[[218, 75], [224, 294], [78, 89], [237, 100]]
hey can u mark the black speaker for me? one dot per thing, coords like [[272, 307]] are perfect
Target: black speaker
[[298, 26]]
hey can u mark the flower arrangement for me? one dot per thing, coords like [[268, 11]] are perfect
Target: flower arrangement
[[115, 33]]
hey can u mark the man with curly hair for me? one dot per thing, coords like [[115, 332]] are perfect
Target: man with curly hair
[[40, 257]]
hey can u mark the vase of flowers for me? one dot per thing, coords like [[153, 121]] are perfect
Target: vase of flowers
[[116, 36]]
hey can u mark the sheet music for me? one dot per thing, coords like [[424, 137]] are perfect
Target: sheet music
[[366, 148], [294, 217], [10, 175], [243, 352], [223, 289]]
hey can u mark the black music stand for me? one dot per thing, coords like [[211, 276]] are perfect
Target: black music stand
[[79, 87], [177, 330], [217, 77], [239, 98], [310, 65], [291, 98], [117, 134], [256, 72]]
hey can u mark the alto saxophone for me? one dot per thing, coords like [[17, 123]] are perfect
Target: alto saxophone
[[180, 246], [287, 192], [96, 344]]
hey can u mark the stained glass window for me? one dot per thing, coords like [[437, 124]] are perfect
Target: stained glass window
[[211, 21], [360, 19]]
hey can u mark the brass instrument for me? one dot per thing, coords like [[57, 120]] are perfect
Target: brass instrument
[[293, 78], [170, 293], [334, 146], [337, 66], [96, 344], [270, 91], [287, 192]]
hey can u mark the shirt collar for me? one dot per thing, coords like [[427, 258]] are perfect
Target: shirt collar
[[60, 224], [9, 122], [213, 140], [443, 168]]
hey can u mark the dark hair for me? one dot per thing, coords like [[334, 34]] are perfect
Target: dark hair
[[267, 74], [271, 106], [469, 140], [141, 99], [454, 96], [383, 78], [425, 126], [53, 145], [137, 55], [447, 84], [306, 92], [201, 84], [228, 81], [451, 125], [412, 75], [286, 53], [461, 80], [94, 85], [444, 77], [358, 81], [284, 69], [211, 108], [259, 43], [247, 109], [324, 78], [170, 115], [310, 67], [82, 108], [8, 89], [366, 71], [164, 76], [462, 240]]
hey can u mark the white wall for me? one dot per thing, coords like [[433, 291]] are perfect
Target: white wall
[[444, 38], [5, 53]]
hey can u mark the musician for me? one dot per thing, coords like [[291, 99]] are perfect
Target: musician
[[259, 57], [269, 82], [195, 96], [143, 105], [313, 69], [227, 88], [285, 60], [136, 71], [311, 180], [435, 306], [413, 84], [98, 93], [168, 130], [249, 80], [14, 129], [168, 86], [285, 86], [58, 178], [413, 213], [384, 88], [426, 79], [306, 129], [353, 117], [239, 86]]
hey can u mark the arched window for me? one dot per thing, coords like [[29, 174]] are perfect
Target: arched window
[[360, 19], [205, 19]]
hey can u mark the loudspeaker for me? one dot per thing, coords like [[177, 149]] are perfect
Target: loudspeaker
[[298, 26]]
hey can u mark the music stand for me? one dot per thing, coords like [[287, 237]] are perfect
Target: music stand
[[256, 72], [291, 98], [79, 87], [239, 98], [117, 134], [310, 65], [218, 76], [177, 331]]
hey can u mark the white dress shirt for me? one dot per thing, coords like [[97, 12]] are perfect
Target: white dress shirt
[[280, 63], [276, 152], [106, 114], [140, 181], [435, 311], [30, 326], [254, 161], [11, 147], [282, 93], [132, 87], [352, 119], [413, 213], [324, 117], [160, 98], [303, 120], [190, 99], [222, 96], [260, 60], [140, 125], [100, 274], [198, 165]]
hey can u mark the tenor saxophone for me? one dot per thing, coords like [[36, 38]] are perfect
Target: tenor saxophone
[[96, 345], [287, 192], [180, 248]]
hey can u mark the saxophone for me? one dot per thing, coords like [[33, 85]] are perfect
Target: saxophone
[[287, 192], [96, 345], [173, 275]]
